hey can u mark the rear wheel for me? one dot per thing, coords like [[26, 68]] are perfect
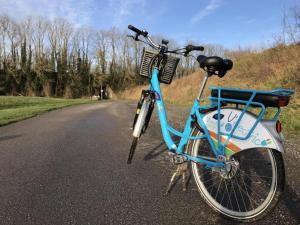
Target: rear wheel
[[249, 191]]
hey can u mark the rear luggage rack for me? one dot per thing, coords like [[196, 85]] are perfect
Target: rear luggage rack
[[275, 98]]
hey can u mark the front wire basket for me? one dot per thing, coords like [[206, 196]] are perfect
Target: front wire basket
[[146, 61], [166, 72]]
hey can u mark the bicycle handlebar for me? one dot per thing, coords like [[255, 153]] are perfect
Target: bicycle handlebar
[[138, 31], [150, 42]]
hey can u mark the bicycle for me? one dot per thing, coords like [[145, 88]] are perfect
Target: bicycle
[[235, 155]]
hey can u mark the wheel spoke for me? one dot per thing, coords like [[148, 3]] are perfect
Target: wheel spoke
[[213, 178], [245, 190], [241, 194], [253, 175], [245, 174], [221, 180], [235, 196], [228, 195], [212, 185], [206, 172]]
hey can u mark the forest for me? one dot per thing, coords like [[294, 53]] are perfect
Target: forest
[[56, 58], [39, 57]]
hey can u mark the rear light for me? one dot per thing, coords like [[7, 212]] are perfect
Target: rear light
[[283, 101], [278, 126]]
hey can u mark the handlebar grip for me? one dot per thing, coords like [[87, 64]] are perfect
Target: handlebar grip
[[198, 48], [138, 31], [194, 48], [190, 48]]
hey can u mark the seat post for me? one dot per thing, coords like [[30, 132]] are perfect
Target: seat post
[[202, 87]]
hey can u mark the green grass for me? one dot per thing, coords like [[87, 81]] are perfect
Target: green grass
[[13, 108]]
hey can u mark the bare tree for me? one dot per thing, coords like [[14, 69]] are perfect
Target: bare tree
[[40, 28], [41, 57], [101, 50], [290, 27], [4, 21]]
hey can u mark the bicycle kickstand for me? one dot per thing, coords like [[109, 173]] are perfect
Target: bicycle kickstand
[[182, 171]]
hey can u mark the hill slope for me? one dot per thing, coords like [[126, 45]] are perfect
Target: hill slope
[[276, 67]]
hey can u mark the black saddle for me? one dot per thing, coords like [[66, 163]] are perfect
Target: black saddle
[[215, 65]]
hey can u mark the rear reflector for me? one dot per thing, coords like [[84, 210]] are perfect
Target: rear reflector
[[278, 126], [283, 101]]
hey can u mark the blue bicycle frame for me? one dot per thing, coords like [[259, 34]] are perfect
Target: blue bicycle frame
[[185, 136], [218, 150]]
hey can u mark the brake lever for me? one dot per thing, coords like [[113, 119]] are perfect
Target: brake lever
[[136, 38], [130, 36], [186, 53]]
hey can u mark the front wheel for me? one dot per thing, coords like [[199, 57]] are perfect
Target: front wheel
[[139, 124], [249, 191]]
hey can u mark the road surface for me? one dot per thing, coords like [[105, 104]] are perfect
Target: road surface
[[69, 167]]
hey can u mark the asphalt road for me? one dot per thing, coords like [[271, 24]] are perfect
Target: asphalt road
[[69, 167]]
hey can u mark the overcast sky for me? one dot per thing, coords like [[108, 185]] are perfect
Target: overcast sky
[[230, 23]]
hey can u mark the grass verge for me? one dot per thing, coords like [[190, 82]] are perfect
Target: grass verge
[[16, 108]]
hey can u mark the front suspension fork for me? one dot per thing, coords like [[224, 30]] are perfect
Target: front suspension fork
[[141, 119]]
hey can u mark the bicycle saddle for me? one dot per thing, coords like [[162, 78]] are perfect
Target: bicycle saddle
[[215, 65]]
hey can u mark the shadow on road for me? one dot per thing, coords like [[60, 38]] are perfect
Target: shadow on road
[[8, 137], [154, 153], [292, 202]]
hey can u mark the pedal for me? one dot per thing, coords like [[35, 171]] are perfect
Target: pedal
[[177, 159]]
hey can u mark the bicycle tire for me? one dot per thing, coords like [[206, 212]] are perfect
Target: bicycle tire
[[132, 150], [211, 196]]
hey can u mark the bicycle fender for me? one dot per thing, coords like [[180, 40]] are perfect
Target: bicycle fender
[[264, 135]]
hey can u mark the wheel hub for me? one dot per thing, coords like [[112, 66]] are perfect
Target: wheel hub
[[230, 169]]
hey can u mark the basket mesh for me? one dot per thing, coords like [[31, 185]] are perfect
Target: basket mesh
[[145, 64], [166, 72]]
